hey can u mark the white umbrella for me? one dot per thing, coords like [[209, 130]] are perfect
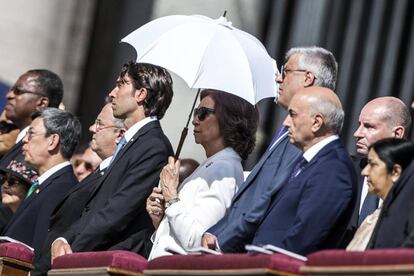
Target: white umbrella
[[208, 53]]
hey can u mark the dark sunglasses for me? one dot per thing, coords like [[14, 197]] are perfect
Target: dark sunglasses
[[203, 112], [87, 165], [6, 127], [11, 180]]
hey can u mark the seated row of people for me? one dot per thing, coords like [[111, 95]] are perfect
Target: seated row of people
[[303, 195]]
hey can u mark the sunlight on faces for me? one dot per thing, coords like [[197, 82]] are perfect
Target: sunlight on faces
[[372, 127], [293, 81], [36, 143], [22, 105], [123, 100], [13, 193], [379, 180], [207, 131], [300, 122]]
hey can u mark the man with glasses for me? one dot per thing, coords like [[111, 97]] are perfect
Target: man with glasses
[[86, 163], [34, 90], [106, 132], [116, 209], [304, 67], [48, 147]]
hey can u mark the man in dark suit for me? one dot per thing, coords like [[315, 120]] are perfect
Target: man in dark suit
[[311, 209], [48, 146], [304, 67], [107, 131], [383, 117], [34, 90], [116, 209]]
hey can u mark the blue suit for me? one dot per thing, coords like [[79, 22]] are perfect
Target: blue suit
[[252, 200], [312, 210]]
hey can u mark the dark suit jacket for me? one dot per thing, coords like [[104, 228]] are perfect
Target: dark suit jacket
[[252, 200], [311, 211], [30, 222], [67, 212], [395, 225], [116, 209]]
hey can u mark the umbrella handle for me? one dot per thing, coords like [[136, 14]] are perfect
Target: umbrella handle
[[185, 130], [181, 143]]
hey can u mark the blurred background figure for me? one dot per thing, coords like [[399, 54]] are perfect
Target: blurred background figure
[[187, 167], [85, 163], [8, 134], [387, 159], [16, 179]]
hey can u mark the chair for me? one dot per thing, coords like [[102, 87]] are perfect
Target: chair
[[115, 262], [370, 262], [227, 264], [15, 259]]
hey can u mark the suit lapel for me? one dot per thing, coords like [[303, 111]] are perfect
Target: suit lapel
[[143, 130], [258, 168]]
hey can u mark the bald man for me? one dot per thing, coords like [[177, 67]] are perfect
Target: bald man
[[311, 210], [383, 117]]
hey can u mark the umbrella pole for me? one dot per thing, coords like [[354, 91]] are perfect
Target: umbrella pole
[[185, 130]]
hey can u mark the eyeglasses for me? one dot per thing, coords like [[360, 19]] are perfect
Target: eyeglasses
[[284, 71], [18, 91], [203, 112], [87, 164], [30, 134], [99, 126]]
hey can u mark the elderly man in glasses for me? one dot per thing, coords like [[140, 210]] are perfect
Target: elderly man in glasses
[[304, 67]]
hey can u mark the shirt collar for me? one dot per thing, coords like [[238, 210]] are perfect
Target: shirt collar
[[136, 127], [51, 171], [21, 134], [105, 163], [313, 150]]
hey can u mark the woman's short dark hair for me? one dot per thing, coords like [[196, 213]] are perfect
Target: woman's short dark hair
[[394, 151], [238, 120], [156, 80]]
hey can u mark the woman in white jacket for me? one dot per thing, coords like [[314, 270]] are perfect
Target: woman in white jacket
[[225, 125]]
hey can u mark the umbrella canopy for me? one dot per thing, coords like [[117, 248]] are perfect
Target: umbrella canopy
[[208, 53]]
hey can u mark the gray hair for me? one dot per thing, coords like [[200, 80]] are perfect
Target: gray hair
[[320, 62], [118, 123], [64, 124], [332, 113]]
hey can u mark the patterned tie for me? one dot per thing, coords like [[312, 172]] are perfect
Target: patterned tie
[[298, 168], [120, 145], [34, 186], [281, 131], [368, 207]]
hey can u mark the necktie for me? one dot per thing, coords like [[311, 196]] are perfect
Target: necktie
[[281, 131], [298, 168], [369, 205], [34, 186], [120, 145]]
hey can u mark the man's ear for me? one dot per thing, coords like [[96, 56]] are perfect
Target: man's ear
[[42, 103], [317, 123], [121, 133], [140, 95], [309, 79], [398, 132], [54, 141]]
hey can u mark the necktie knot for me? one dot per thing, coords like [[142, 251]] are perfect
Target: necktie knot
[[298, 167], [120, 145]]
